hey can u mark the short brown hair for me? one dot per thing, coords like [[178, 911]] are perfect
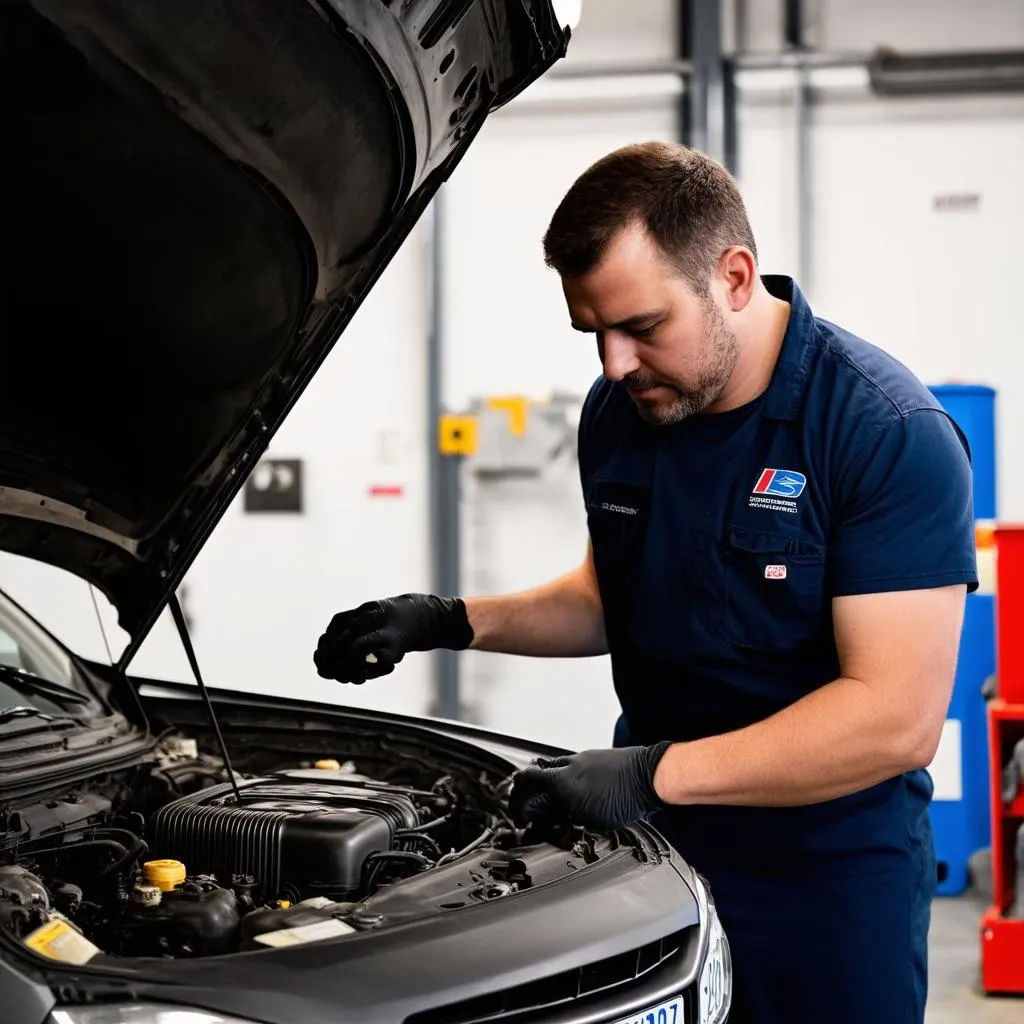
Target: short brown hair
[[689, 204]]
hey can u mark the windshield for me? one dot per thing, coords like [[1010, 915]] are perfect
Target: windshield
[[23, 645]]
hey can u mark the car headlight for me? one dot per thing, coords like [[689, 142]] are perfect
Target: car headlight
[[714, 990], [142, 1013]]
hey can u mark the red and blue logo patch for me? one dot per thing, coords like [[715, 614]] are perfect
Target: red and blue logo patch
[[782, 483]]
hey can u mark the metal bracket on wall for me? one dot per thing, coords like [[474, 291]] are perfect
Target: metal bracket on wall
[[521, 438], [506, 436]]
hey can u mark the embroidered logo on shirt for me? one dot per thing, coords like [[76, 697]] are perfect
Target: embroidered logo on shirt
[[783, 482], [625, 510], [774, 572], [778, 489]]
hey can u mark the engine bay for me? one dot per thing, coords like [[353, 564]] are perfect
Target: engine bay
[[169, 860]]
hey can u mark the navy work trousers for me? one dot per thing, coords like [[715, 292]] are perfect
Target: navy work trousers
[[827, 950]]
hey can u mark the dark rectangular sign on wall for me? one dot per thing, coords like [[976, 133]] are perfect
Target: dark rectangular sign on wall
[[275, 485]]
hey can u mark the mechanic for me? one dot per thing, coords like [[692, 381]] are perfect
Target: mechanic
[[781, 540]]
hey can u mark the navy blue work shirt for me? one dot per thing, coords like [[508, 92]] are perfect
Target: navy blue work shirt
[[720, 542]]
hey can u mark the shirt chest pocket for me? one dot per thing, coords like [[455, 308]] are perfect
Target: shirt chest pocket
[[775, 590]]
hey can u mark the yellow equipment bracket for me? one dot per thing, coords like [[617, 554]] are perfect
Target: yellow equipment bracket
[[515, 406], [457, 435]]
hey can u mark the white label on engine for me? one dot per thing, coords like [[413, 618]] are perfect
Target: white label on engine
[[329, 929]]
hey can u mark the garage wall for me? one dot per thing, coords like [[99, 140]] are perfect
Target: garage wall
[[916, 206], [878, 240], [508, 332], [908, 25]]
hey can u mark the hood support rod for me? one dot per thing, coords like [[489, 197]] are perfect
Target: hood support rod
[[186, 641]]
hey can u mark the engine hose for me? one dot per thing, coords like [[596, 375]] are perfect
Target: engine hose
[[455, 854], [116, 848], [138, 848], [102, 839], [373, 863], [435, 823]]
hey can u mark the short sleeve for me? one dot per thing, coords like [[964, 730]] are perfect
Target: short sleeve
[[585, 436], [905, 515]]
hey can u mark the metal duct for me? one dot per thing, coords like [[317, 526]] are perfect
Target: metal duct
[[936, 74]]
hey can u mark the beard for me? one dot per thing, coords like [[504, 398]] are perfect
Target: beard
[[721, 353]]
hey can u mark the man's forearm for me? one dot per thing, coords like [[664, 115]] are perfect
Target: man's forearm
[[560, 619], [836, 740]]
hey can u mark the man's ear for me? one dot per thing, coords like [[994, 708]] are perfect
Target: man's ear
[[738, 272]]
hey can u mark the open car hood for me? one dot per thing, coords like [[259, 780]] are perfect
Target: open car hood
[[197, 197]]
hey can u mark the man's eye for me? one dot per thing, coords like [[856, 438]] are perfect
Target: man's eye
[[643, 332]]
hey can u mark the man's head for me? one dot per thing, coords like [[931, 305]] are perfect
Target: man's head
[[657, 257]]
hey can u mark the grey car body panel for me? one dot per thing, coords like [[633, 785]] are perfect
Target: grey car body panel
[[22, 1000]]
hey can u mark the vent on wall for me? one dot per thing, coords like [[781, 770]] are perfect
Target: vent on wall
[[447, 14]]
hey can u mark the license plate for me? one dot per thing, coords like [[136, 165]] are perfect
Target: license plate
[[670, 1012]]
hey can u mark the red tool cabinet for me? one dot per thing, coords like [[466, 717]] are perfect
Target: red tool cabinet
[[1002, 937]]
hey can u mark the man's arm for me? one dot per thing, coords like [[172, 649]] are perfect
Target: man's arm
[[560, 619], [882, 717]]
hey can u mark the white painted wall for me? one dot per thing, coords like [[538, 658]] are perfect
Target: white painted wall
[[906, 25], [509, 332], [934, 287], [876, 166], [265, 586]]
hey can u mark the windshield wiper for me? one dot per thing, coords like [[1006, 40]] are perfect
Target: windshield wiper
[[27, 682], [25, 711]]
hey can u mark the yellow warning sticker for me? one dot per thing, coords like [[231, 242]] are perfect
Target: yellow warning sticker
[[58, 940], [457, 435]]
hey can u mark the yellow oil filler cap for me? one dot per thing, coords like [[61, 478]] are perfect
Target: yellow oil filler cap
[[327, 764], [165, 874]]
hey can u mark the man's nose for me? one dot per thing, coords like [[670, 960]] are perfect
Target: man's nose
[[618, 355]]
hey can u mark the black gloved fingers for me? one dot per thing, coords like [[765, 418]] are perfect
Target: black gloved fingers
[[528, 802], [330, 664], [552, 762], [538, 809], [325, 658], [532, 793], [381, 648], [347, 662], [355, 621]]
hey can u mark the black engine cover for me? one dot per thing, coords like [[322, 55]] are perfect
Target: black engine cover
[[297, 833]]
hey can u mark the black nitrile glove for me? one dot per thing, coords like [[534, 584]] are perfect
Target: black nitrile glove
[[385, 631], [599, 789]]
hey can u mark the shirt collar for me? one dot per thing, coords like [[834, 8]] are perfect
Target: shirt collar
[[785, 391]]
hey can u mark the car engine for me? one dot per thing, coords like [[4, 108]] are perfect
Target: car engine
[[169, 860], [301, 833]]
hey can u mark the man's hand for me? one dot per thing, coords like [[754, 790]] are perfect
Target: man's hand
[[599, 789], [369, 641]]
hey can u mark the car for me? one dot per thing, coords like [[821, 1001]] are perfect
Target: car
[[198, 197]]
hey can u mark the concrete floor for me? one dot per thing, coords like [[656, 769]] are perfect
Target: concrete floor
[[954, 991]]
